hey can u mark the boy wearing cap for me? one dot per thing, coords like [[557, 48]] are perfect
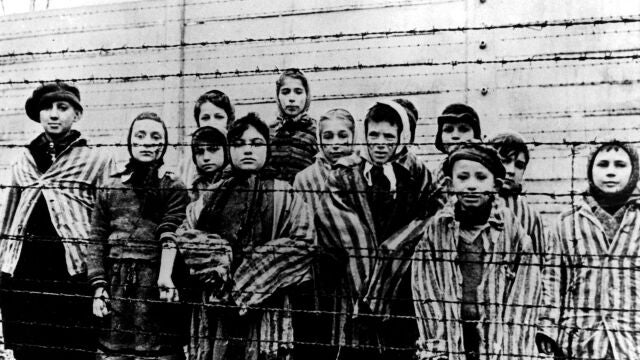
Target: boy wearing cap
[[372, 195], [471, 273], [45, 225]]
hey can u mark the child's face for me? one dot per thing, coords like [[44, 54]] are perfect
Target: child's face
[[292, 96], [472, 183], [212, 115], [611, 170], [58, 118], [515, 165], [336, 139], [382, 141], [455, 133], [147, 140], [249, 153], [209, 158]]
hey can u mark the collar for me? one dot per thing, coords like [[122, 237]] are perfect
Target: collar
[[125, 174], [496, 216], [387, 170], [405, 135]]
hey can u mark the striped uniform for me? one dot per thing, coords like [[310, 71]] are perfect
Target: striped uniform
[[531, 222], [592, 283], [506, 294], [276, 264], [345, 228], [68, 186], [293, 147]]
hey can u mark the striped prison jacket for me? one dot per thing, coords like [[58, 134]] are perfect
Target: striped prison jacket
[[279, 262], [346, 229], [69, 188], [506, 295], [591, 282]]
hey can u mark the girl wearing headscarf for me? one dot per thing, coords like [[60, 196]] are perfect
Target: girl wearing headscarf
[[336, 132], [371, 196], [134, 215], [210, 154], [590, 298], [293, 135], [212, 109], [246, 243], [474, 272]]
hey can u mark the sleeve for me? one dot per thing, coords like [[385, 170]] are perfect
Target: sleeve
[[393, 263], [342, 232], [177, 199], [98, 238], [429, 298], [282, 262], [522, 301], [555, 273], [9, 200]]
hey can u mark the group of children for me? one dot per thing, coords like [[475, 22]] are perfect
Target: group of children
[[291, 241]]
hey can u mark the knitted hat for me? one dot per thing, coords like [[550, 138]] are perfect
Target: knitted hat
[[458, 113], [482, 154], [46, 94], [208, 135], [148, 116]]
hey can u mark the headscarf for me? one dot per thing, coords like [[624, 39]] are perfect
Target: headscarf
[[403, 141], [208, 135], [612, 202], [293, 74], [144, 176], [338, 114]]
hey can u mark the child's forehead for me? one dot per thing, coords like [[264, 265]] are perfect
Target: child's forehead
[[469, 165], [290, 81], [334, 123], [147, 124]]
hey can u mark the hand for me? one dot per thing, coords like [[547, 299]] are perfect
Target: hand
[[168, 291], [101, 302], [546, 345]]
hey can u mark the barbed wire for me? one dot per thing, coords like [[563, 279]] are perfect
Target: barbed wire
[[591, 21]]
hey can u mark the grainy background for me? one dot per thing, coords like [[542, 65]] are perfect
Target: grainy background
[[553, 70]]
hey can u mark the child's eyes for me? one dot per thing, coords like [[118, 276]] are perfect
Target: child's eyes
[[299, 91], [220, 116], [285, 91], [481, 176], [447, 129], [462, 176], [464, 129]]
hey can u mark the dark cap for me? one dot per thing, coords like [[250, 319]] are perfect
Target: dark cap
[[46, 94]]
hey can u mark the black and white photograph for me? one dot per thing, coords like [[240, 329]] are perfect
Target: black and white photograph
[[319, 179]]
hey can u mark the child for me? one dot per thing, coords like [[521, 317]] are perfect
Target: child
[[590, 301], [133, 216], [47, 208], [228, 242], [213, 108], [372, 196], [514, 155], [471, 273], [293, 135], [336, 131], [209, 152], [459, 123]]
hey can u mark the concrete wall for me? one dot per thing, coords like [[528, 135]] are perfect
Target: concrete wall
[[354, 51]]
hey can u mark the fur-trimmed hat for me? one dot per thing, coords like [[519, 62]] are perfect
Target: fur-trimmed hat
[[458, 113], [46, 94]]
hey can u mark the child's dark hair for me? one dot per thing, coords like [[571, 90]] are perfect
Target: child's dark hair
[[208, 135], [383, 113], [509, 144], [239, 126], [294, 74], [217, 98]]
